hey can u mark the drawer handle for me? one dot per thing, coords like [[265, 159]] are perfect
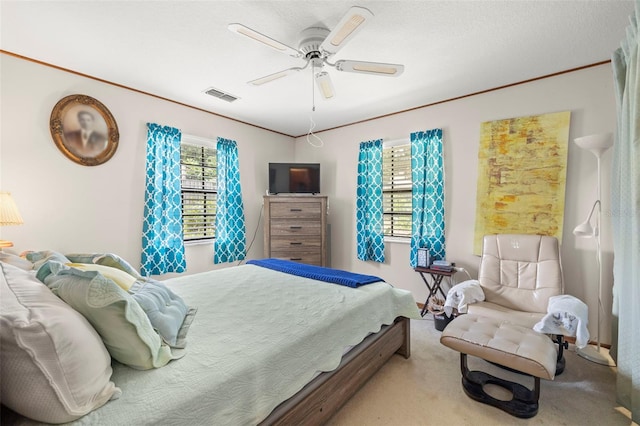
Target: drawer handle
[[295, 210], [295, 227], [296, 258], [295, 243]]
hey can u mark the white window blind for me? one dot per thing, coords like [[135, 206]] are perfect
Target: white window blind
[[199, 183], [396, 189]]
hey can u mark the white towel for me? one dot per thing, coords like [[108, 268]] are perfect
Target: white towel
[[460, 295], [566, 315]]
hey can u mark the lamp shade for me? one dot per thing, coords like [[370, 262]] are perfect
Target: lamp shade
[[585, 230], [9, 214], [597, 144], [324, 84]]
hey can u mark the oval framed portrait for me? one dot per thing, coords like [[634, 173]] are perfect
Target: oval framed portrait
[[84, 130]]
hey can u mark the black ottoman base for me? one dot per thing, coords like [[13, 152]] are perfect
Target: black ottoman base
[[524, 403]]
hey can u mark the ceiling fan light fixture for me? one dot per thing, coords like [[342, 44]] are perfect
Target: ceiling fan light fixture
[[324, 84]]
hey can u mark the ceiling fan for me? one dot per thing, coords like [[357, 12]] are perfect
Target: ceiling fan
[[317, 45]]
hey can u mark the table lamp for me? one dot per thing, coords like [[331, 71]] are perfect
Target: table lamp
[[9, 215]]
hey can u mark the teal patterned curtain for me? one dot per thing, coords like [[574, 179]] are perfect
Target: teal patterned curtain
[[230, 242], [162, 246], [369, 230], [427, 175]]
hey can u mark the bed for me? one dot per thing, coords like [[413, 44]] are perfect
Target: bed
[[264, 347]]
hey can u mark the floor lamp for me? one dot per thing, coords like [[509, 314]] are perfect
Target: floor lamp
[[597, 144]]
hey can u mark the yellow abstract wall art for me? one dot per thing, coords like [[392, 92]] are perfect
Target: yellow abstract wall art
[[522, 171]]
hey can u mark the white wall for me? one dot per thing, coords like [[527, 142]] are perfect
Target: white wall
[[72, 208], [587, 93]]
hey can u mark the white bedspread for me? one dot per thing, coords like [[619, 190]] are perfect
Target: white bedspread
[[258, 337]]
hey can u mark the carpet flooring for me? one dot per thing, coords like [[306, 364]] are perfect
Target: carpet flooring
[[426, 390]]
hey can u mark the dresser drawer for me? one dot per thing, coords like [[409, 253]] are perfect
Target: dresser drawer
[[293, 227], [308, 258], [311, 210], [294, 244]]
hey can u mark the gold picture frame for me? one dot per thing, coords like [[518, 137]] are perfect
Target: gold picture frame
[[84, 130]]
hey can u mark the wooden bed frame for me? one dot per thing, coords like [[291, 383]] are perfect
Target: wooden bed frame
[[327, 393]]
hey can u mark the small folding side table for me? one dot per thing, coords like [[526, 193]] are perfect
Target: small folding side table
[[436, 282]]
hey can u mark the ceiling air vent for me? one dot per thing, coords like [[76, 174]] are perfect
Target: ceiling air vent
[[220, 94]]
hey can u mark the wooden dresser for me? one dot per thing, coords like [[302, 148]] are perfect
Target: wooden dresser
[[295, 228]]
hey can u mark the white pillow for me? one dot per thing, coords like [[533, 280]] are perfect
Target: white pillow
[[53, 364], [14, 260]]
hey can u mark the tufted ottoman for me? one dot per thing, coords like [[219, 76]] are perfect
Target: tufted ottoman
[[517, 348]]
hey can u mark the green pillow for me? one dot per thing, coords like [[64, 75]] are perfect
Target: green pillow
[[41, 260], [123, 326], [168, 313], [40, 257]]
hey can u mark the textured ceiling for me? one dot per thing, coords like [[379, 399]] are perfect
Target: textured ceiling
[[177, 49]]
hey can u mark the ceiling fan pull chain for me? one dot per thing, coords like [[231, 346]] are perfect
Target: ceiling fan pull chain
[[313, 91], [310, 135]]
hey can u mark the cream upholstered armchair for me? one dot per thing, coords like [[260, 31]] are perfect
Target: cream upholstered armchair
[[516, 312], [518, 274]]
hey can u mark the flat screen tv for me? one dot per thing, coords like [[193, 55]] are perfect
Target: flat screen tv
[[294, 178]]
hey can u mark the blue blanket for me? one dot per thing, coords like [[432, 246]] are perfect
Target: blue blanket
[[319, 273]]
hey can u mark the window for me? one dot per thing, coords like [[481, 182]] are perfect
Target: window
[[396, 189], [199, 183]]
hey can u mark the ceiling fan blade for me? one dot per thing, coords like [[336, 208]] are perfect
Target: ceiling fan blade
[[348, 27], [268, 78], [323, 81], [376, 68], [266, 40]]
